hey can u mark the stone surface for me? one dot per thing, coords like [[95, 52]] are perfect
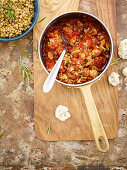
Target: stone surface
[[19, 148]]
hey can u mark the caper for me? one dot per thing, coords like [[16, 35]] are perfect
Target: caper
[[98, 42], [55, 53], [79, 30]]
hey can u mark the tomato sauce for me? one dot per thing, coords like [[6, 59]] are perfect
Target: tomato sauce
[[87, 54]]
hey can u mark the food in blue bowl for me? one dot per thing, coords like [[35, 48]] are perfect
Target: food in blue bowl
[[17, 18]]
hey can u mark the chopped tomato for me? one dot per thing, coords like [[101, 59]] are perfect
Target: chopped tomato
[[62, 67], [99, 61], [50, 63], [67, 30]]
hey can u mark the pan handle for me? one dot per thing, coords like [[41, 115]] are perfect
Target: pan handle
[[97, 127]]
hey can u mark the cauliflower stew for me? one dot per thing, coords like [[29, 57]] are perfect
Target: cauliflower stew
[[87, 54]]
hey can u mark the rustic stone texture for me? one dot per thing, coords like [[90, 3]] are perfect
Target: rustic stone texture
[[20, 148]]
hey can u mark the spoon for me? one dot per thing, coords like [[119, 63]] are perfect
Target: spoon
[[53, 74]]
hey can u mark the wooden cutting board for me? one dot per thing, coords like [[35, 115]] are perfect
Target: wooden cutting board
[[106, 96]]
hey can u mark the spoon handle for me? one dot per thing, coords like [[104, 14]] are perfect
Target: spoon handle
[[52, 75]]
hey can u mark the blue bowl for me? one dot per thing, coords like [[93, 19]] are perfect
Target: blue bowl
[[34, 20]]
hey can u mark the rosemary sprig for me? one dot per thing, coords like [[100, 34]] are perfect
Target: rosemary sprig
[[25, 53], [36, 49], [1, 135], [116, 61], [4, 14], [8, 7], [14, 45], [25, 71], [48, 129], [41, 20], [10, 14], [17, 4]]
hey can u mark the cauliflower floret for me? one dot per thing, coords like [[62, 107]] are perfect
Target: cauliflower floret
[[63, 77], [113, 79], [122, 50], [83, 56], [73, 40], [67, 30], [124, 71], [96, 52], [62, 113], [50, 55], [86, 72], [70, 69], [93, 73]]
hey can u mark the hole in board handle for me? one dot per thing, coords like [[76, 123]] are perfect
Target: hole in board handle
[[102, 142]]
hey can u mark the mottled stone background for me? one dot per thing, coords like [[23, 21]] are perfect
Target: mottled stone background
[[19, 149]]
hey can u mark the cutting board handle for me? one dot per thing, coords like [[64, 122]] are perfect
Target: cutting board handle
[[97, 127]]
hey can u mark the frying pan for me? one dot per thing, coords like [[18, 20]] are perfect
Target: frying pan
[[97, 127]]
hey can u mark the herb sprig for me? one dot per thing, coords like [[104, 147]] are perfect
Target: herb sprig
[[36, 49], [1, 135], [48, 129], [25, 53], [14, 45], [115, 62], [25, 71], [41, 20], [10, 14]]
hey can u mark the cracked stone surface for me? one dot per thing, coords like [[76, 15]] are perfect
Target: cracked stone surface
[[19, 148]]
